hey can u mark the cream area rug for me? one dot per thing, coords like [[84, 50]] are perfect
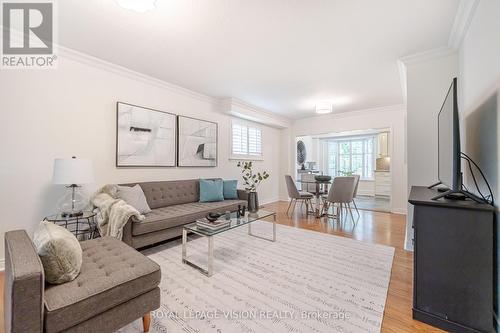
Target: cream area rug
[[304, 282]]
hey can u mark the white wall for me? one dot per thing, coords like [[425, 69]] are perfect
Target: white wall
[[71, 110], [479, 56], [427, 84], [479, 91], [287, 154], [388, 117]]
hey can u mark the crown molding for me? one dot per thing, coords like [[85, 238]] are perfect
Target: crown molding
[[465, 12], [243, 104], [248, 106], [417, 58], [231, 106], [98, 63], [463, 17], [427, 55], [461, 23], [240, 109]]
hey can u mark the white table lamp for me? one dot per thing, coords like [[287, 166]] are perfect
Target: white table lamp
[[72, 172]]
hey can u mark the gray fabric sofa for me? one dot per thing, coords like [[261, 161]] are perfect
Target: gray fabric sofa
[[116, 286], [173, 204]]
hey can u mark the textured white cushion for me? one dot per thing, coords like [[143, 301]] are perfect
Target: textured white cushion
[[135, 197], [60, 252]]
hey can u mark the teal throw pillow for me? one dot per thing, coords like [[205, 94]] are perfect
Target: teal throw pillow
[[230, 189], [211, 190]]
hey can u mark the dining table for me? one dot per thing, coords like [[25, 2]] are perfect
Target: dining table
[[321, 188]]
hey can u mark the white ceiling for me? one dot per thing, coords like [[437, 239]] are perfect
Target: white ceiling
[[279, 55]]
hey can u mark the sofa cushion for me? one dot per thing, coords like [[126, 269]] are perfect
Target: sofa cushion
[[59, 251], [230, 189], [172, 216], [134, 196], [168, 193], [111, 274], [211, 190]]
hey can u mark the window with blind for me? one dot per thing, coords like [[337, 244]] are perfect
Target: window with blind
[[246, 141]]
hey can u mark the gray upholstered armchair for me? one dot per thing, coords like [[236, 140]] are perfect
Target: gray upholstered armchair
[[116, 286]]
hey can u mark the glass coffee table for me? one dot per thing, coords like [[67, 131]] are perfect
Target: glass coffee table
[[209, 234]]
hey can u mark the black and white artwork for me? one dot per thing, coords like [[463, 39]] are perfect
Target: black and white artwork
[[144, 137], [197, 142]]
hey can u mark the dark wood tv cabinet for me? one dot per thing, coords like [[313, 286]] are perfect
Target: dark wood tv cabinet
[[453, 281]]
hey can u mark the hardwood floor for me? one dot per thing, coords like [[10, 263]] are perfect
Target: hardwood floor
[[375, 227], [376, 203], [380, 228]]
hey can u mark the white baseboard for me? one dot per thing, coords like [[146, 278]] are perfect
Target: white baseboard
[[394, 211], [2, 264], [268, 201], [399, 211]]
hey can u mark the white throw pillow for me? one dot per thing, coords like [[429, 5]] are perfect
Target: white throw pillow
[[135, 197], [60, 252]]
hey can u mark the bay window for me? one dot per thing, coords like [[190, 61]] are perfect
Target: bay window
[[351, 156]]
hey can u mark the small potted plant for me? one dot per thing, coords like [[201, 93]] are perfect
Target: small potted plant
[[252, 181]]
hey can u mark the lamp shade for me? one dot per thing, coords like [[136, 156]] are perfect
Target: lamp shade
[[68, 171]]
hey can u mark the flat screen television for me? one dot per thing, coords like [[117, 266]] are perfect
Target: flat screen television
[[449, 153], [449, 166]]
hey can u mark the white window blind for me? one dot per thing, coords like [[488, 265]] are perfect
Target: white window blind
[[246, 141], [240, 139], [254, 141]]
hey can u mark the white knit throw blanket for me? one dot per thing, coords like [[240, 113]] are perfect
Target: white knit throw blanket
[[113, 213]]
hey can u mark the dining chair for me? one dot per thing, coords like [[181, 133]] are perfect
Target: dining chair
[[295, 194], [308, 183], [341, 193], [356, 183]]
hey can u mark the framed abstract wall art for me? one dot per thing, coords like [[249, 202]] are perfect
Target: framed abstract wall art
[[197, 142], [144, 137]]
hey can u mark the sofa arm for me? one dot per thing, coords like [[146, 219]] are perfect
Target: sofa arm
[[127, 231], [24, 284]]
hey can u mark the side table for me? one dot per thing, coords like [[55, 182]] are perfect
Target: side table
[[84, 227]]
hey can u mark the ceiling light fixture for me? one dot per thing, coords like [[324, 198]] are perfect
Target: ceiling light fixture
[[140, 6], [324, 107]]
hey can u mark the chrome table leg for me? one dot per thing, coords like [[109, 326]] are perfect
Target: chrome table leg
[[210, 255], [273, 239], [210, 270]]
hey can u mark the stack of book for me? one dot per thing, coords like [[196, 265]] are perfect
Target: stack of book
[[215, 225]]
